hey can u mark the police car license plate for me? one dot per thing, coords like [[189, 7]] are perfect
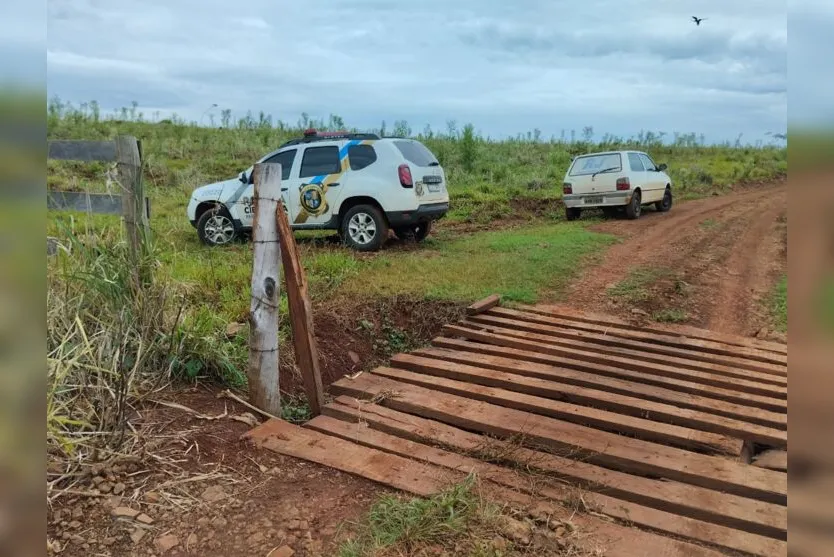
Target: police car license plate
[[591, 199]]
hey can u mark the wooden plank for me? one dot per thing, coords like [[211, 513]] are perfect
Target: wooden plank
[[695, 502], [425, 480], [621, 358], [483, 305], [772, 460], [681, 332], [640, 334], [703, 350], [80, 150], [762, 372], [301, 312], [639, 428], [687, 528], [627, 405], [597, 447], [513, 361], [489, 343], [262, 372]]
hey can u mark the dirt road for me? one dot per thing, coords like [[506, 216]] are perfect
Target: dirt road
[[709, 263]]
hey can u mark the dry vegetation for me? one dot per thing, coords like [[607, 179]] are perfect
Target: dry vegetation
[[108, 346]]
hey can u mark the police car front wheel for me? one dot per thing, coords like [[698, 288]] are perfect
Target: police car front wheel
[[215, 227]]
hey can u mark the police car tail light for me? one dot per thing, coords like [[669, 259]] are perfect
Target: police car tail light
[[623, 184], [406, 180], [567, 188]]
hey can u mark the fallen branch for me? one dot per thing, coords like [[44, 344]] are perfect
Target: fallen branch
[[229, 394], [191, 410]]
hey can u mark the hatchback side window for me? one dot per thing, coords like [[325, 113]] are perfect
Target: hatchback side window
[[647, 162], [320, 160], [361, 156], [285, 159], [635, 163]]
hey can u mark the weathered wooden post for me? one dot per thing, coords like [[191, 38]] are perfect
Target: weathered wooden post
[[129, 159], [263, 314], [301, 315]]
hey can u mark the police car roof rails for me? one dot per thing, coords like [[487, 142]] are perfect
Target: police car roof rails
[[312, 135]]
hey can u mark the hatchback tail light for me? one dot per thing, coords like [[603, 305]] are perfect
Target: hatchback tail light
[[406, 180], [623, 184], [567, 188]]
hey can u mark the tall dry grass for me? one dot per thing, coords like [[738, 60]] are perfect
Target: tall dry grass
[[108, 346]]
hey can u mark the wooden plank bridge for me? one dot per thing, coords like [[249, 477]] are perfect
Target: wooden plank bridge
[[677, 436]]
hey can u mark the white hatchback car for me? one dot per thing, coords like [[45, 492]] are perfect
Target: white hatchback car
[[615, 180], [359, 184]]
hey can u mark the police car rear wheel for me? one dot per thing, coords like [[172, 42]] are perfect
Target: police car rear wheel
[[216, 227], [364, 228]]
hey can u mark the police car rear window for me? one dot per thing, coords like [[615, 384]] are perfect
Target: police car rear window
[[416, 153]]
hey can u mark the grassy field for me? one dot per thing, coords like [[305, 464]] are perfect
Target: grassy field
[[505, 232]]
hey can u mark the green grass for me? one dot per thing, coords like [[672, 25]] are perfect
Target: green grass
[[397, 525], [779, 305], [671, 315], [524, 265], [709, 224], [491, 182], [635, 287]]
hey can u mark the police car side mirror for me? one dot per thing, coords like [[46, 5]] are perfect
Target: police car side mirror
[[662, 167], [243, 177]]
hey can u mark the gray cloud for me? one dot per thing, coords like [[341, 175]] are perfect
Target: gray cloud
[[620, 66]]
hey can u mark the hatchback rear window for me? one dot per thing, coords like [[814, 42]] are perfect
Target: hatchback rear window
[[595, 163], [416, 153]]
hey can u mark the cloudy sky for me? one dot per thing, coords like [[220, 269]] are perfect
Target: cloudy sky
[[507, 67]]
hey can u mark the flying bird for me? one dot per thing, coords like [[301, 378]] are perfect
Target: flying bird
[[698, 20]]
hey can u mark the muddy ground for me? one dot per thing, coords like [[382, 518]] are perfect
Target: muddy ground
[[197, 490], [716, 260]]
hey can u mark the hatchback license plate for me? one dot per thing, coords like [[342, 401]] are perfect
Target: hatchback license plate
[[434, 187], [593, 199]]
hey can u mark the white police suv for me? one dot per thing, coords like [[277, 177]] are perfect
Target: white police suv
[[357, 183]]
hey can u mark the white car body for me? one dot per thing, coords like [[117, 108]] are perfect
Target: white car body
[[612, 179], [324, 175]]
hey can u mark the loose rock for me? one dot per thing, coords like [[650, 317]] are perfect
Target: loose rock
[[137, 535], [213, 493], [283, 551], [516, 530], [191, 542], [219, 522], [144, 519], [166, 543], [119, 488], [124, 512]]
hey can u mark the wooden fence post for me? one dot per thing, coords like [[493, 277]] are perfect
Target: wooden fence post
[[301, 315], [263, 316], [133, 204]]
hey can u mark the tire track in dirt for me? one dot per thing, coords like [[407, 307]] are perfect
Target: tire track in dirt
[[719, 257], [752, 268]]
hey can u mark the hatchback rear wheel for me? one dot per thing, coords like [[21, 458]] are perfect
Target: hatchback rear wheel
[[634, 208]]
